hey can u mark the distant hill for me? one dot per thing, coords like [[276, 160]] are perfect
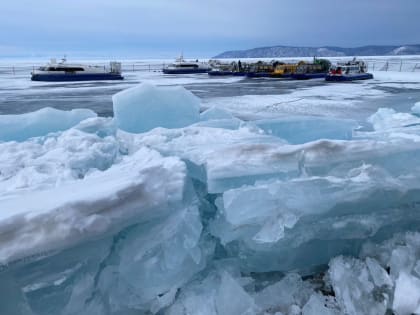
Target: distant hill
[[327, 51]]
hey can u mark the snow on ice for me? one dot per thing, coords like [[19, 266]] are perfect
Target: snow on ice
[[161, 210]]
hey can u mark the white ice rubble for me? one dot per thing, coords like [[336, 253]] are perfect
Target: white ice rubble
[[145, 213]]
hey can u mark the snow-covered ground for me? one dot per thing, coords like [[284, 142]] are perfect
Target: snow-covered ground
[[262, 197]]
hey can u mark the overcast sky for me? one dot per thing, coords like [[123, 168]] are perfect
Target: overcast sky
[[163, 28]]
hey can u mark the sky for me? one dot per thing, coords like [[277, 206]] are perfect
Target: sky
[[198, 28]]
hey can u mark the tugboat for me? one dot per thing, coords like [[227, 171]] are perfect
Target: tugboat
[[349, 71], [63, 71], [315, 70], [180, 66]]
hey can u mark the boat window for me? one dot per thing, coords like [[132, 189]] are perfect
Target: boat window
[[71, 69], [188, 66], [67, 69]]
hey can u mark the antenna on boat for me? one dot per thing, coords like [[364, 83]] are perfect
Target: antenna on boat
[[64, 59], [181, 57]]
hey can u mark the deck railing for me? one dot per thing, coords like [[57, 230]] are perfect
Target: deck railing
[[125, 68]]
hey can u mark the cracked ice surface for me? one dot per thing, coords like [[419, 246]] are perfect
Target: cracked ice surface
[[297, 215]]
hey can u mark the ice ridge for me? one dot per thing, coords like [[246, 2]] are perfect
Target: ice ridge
[[217, 216]]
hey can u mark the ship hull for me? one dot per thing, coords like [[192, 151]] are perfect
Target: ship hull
[[226, 73], [75, 77], [259, 74], [344, 78], [184, 71], [308, 76], [220, 73], [268, 75]]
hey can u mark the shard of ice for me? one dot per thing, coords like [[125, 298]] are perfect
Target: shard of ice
[[145, 107], [303, 129], [39, 123], [416, 108]]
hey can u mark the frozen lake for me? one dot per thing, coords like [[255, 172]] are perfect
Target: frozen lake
[[246, 98], [174, 205]]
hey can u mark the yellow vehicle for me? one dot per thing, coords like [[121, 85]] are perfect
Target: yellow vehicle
[[260, 69], [285, 69], [274, 69]]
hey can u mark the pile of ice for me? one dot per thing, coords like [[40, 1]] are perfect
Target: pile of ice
[[388, 118], [217, 216], [385, 279]]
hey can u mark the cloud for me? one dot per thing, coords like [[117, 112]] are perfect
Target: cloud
[[166, 25]]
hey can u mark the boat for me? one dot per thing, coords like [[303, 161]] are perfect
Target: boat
[[273, 69], [228, 69], [317, 69], [260, 70], [283, 70], [62, 71], [181, 66], [349, 71]]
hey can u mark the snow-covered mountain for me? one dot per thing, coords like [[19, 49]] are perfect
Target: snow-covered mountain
[[327, 51]]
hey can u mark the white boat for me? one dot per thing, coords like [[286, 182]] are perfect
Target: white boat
[[181, 66], [62, 71], [348, 71]]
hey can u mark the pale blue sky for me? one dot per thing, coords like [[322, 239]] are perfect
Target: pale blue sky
[[163, 28]]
